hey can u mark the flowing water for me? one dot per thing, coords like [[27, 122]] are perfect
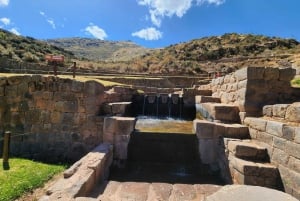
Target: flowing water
[[167, 125]]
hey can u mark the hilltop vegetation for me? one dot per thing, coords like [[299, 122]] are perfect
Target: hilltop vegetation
[[224, 53], [27, 49], [100, 50], [227, 52]]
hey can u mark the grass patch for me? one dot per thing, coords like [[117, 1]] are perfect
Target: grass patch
[[23, 176], [296, 82]]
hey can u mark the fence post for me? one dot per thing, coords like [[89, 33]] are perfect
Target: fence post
[[6, 143], [74, 69]]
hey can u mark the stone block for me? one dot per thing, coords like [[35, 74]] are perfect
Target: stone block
[[268, 110], [256, 123], [279, 143], [56, 117], [208, 150], [293, 112], [204, 129], [124, 125], [206, 99], [288, 132], [248, 168], [253, 133], [249, 193], [235, 131], [293, 149], [279, 110], [222, 112], [274, 128], [271, 73], [93, 88], [241, 74], [77, 86], [297, 135], [279, 157], [120, 108], [70, 106], [255, 73], [265, 137], [3, 81], [294, 164], [286, 74], [109, 129], [32, 116], [247, 150]]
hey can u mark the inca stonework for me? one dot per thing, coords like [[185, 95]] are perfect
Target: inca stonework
[[250, 134], [60, 117], [268, 152]]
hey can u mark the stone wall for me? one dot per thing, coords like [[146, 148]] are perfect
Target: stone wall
[[59, 117], [287, 112], [283, 143], [253, 87]]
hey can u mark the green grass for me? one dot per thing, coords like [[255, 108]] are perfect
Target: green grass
[[296, 82], [23, 176]]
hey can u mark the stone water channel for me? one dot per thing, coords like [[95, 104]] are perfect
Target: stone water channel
[[163, 164]]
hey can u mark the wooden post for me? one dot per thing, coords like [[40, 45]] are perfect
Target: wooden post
[[6, 143], [55, 69], [74, 69]]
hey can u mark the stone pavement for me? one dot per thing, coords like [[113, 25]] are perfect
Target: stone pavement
[[142, 191], [249, 193]]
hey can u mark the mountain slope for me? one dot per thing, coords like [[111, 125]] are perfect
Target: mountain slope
[[27, 49], [222, 53], [96, 50]]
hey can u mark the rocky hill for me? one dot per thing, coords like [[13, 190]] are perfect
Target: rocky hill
[[27, 49], [100, 50], [224, 53]]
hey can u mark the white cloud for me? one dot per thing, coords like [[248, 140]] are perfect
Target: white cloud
[[5, 21], [4, 2], [217, 2], [161, 8], [148, 34], [96, 31], [49, 20], [15, 31], [158, 9]]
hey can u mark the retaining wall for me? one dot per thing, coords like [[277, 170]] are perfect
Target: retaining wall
[[60, 117], [283, 144], [253, 87]]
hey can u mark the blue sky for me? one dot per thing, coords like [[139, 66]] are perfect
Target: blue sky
[[150, 23]]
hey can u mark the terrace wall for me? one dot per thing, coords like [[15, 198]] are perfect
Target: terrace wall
[[60, 118]]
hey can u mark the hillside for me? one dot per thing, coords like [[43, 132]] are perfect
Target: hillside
[[27, 49], [97, 50], [224, 53]]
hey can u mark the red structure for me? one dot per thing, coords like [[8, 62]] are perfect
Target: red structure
[[55, 60]]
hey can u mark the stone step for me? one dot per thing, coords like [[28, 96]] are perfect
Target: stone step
[[203, 92], [207, 129], [143, 191], [219, 112], [207, 99], [116, 108], [248, 150], [253, 173]]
